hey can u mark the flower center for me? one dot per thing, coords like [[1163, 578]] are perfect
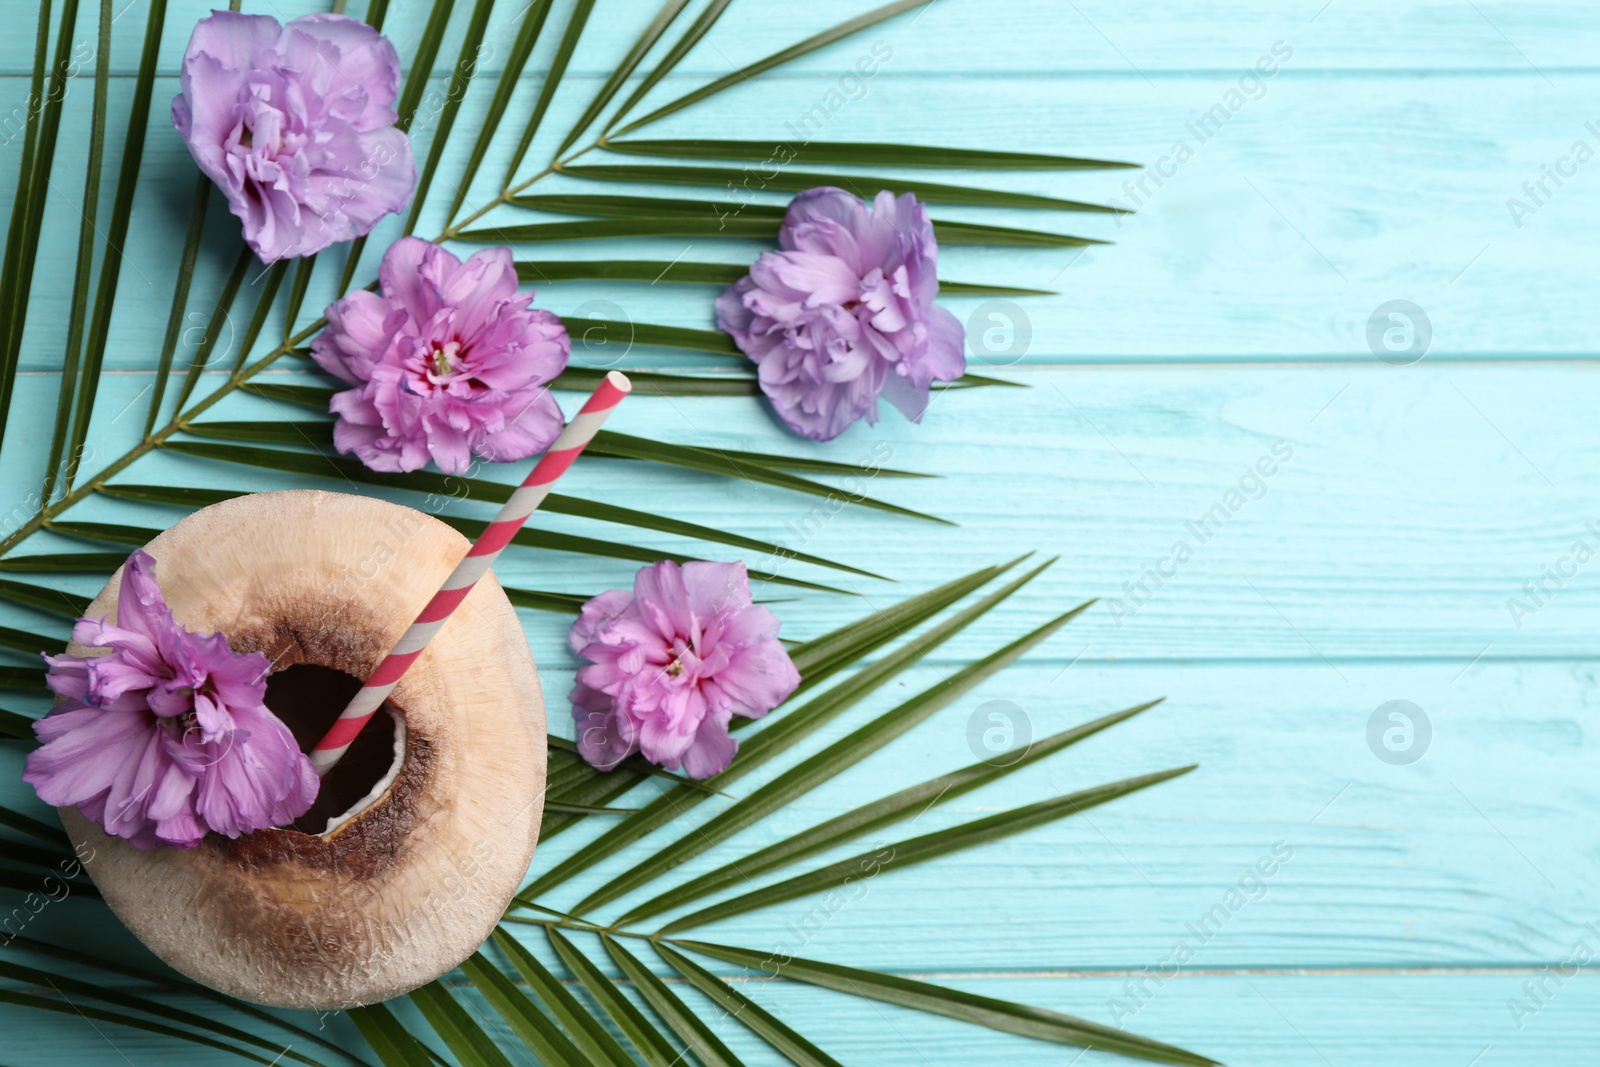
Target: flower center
[[247, 138], [444, 358], [675, 668]]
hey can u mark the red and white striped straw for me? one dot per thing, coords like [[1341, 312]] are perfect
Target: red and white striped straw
[[480, 557]]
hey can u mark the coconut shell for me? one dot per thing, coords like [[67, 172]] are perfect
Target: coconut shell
[[403, 891]]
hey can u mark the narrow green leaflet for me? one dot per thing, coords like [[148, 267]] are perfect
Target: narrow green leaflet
[[452, 487], [901, 854], [73, 987], [17, 727], [762, 1023], [817, 660], [33, 189], [88, 212], [809, 773], [732, 464], [34, 828], [394, 1046], [215, 327], [513, 1005], [656, 1050], [674, 1012], [297, 294], [749, 226], [455, 1026], [591, 1038], [692, 272], [532, 22], [186, 987], [863, 820], [539, 600], [55, 601], [176, 495], [795, 51], [116, 236], [585, 809], [863, 185], [936, 1000], [64, 563], [647, 39], [258, 321], [106, 532], [89, 1011], [16, 234], [455, 89], [180, 298], [22, 641], [558, 67], [612, 205], [697, 29], [421, 66], [860, 154], [646, 333], [583, 380], [22, 678]]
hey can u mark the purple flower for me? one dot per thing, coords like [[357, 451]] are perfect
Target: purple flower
[[671, 663], [845, 312], [296, 124], [165, 736], [448, 360]]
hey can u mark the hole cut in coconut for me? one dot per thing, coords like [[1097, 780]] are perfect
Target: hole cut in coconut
[[308, 697]]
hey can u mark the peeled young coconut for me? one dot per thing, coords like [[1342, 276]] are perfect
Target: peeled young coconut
[[444, 793]]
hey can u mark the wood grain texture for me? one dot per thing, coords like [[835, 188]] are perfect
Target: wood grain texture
[[1384, 558]]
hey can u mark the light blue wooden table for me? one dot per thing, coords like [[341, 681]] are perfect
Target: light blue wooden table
[[1419, 906]]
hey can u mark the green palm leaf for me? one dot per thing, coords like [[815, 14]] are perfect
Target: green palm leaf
[[777, 59], [184, 986], [541, 1035], [697, 29], [121, 212], [862, 185], [54, 601], [655, 1049], [647, 39], [394, 1046], [762, 1023], [88, 213], [674, 1012], [691, 272], [863, 820], [816, 661], [532, 18], [558, 67], [919, 849], [750, 227], [27, 213], [592, 1039], [968, 1007], [134, 1022], [456, 89], [64, 986], [180, 298], [813, 771], [469, 1041], [861, 154], [16, 727]]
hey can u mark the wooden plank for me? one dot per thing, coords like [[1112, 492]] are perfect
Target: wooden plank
[[1101, 36], [1279, 240], [1413, 511]]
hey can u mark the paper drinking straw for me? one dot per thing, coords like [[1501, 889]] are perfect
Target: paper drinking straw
[[480, 557]]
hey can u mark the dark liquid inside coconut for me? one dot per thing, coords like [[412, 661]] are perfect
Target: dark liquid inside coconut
[[308, 697]]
